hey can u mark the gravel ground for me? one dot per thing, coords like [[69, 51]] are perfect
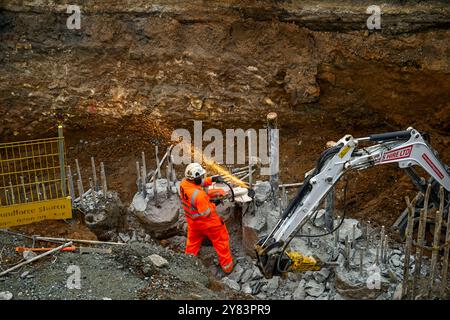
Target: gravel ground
[[126, 273]]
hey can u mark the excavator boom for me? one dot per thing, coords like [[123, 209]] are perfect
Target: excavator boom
[[406, 148]]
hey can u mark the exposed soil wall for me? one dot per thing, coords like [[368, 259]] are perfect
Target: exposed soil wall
[[228, 63]]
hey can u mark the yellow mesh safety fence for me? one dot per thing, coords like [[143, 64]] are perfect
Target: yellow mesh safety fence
[[30, 172]]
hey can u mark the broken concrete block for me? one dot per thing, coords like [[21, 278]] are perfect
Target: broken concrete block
[[6, 295], [231, 283], [321, 275], [246, 288], [398, 292], [161, 221], [314, 289], [263, 190], [299, 293], [253, 224], [104, 215], [346, 229], [124, 237], [236, 274], [256, 274], [246, 276], [272, 285], [158, 261]]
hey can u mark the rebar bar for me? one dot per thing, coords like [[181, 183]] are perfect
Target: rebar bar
[[103, 179], [158, 170], [80, 181], [138, 173], [408, 244], [94, 174], [144, 164]]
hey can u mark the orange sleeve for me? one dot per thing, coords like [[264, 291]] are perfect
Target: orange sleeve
[[203, 204], [207, 182]]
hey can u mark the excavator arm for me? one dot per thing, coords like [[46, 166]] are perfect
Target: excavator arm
[[407, 148]]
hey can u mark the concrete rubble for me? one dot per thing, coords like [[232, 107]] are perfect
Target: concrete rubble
[[104, 215], [159, 214]]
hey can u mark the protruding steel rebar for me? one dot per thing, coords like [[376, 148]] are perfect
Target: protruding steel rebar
[[80, 181], [144, 164], [103, 179], [158, 170], [138, 181], [93, 192], [94, 174], [353, 236]]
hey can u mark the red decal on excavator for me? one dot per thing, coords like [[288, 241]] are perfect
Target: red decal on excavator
[[433, 166], [396, 154]]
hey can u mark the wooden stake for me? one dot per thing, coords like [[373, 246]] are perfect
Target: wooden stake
[[144, 170], [446, 250], [435, 251], [420, 241]]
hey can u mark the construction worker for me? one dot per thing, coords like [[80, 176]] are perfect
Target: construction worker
[[201, 216]]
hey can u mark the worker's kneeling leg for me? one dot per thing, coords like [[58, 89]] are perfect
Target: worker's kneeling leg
[[221, 242], [194, 241]]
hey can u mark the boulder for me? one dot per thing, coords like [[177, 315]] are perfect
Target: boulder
[[236, 274], [272, 285], [103, 214], [246, 276], [314, 289], [299, 293], [161, 221], [157, 261], [231, 283]]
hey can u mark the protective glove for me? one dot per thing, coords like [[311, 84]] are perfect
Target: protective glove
[[215, 201], [217, 179]]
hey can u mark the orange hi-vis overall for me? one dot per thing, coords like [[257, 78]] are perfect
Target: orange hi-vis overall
[[203, 221]]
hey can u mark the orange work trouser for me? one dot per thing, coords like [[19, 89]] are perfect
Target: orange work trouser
[[220, 240]]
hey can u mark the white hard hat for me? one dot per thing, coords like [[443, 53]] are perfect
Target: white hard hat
[[194, 170]]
